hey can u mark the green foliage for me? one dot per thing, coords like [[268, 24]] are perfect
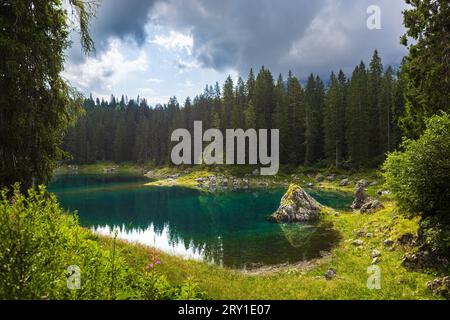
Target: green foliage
[[419, 177], [318, 126], [427, 66], [39, 242], [36, 103]]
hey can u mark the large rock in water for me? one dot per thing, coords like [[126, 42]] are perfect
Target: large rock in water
[[296, 206]]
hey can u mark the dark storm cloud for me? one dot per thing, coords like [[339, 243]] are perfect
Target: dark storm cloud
[[123, 19], [303, 35], [239, 33]]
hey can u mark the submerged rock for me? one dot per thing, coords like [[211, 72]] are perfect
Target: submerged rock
[[296, 206]]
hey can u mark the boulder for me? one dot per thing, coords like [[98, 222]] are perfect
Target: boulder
[[440, 286], [363, 182], [376, 260], [371, 206], [360, 197], [319, 177], [375, 254], [296, 206], [330, 274]]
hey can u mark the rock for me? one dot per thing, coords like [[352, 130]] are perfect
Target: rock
[[344, 182], [199, 180], [388, 242], [376, 260], [357, 243], [407, 239], [330, 274], [255, 172], [371, 206], [382, 192], [375, 254], [296, 206], [440, 286], [360, 197], [319, 177], [361, 233], [331, 177], [363, 182], [342, 176], [374, 183], [310, 185]]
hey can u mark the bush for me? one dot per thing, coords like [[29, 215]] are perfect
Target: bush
[[419, 177], [39, 241]]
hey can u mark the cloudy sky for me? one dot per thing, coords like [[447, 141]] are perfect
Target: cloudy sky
[[163, 48]]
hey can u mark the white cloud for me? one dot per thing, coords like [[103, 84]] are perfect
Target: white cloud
[[175, 41], [155, 80], [105, 72]]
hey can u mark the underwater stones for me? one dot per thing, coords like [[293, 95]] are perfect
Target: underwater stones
[[296, 206]]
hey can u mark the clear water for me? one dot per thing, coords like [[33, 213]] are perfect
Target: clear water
[[227, 229]]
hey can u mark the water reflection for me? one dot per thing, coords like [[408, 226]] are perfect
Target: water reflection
[[227, 228]]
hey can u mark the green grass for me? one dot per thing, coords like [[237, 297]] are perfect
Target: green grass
[[100, 167]]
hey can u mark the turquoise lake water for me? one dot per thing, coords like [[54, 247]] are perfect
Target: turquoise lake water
[[225, 228]]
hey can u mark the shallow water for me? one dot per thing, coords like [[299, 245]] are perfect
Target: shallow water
[[226, 228]]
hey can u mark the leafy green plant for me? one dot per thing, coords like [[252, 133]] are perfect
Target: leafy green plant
[[419, 176], [419, 179], [40, 242]]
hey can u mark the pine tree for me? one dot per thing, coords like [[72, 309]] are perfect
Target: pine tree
[[374, 82], [357, 135]]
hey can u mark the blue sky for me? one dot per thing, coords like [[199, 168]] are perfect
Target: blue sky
[[162, 48]]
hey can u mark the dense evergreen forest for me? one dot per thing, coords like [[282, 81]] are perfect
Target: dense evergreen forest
[[350, 122]]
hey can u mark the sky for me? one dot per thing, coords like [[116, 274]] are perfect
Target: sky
[[162, 48]]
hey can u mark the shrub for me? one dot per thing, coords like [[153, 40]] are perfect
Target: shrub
[[419, 177], [39, 241]]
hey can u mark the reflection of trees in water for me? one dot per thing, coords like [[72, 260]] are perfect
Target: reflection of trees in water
[[227, 228]]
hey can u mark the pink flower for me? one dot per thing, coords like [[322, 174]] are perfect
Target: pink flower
[[158, 261], [151, 265]]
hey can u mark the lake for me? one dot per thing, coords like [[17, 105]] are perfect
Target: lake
[[227, 228]]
